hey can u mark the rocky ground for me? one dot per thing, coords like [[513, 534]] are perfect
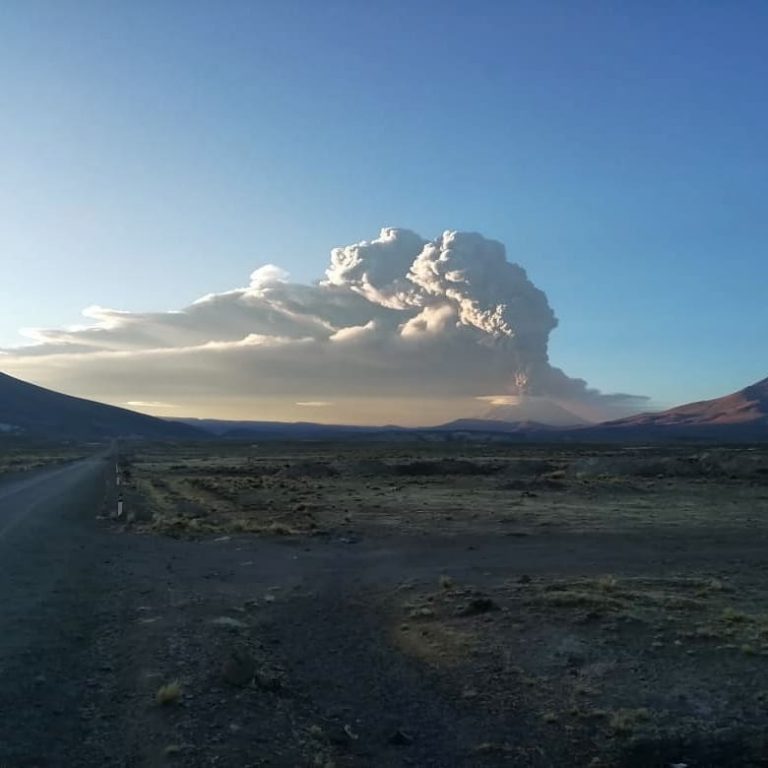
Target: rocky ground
[[385, 606]]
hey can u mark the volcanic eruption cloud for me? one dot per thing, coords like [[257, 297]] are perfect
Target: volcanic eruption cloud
[[401, 329]]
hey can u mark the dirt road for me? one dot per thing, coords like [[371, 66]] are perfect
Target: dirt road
[[51, 593]]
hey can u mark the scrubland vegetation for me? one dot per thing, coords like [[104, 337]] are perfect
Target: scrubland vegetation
[[542, 605]]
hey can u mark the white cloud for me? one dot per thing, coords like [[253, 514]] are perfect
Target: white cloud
[[148, 404], [500, 399], [354, 332], [314, 404], [397, 319], [267, 275]]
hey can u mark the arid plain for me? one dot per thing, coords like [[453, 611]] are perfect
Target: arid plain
[[442, 604]]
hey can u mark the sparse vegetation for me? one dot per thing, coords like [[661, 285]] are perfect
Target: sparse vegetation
[[289, 490], [625, 721], [170, 693], [550, 615], [20, 455]]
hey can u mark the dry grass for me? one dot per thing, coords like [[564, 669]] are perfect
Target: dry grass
[[230, 487], [610, 594], [433, 642], [23, 458], [170, 693], [446, 582], [626, 721]]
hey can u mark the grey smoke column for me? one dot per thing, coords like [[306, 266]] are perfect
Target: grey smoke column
[[465, 272]]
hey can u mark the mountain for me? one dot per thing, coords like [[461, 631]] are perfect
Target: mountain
[[495, 425], [741, 415], [31, 410], [530, 410], [747, 406], [283, 430], [309, 430]]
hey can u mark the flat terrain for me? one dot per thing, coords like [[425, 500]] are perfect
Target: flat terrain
[[387, 605], [22, 456]]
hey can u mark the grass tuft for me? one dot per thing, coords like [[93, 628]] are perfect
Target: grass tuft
[[169, 693]]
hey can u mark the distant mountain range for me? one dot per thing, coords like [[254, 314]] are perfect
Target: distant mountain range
[[497, 425], [27, 409], [299, 430], [742, 415]]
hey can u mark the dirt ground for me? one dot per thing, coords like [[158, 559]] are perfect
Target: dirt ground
[[17, 455], [442, 605]]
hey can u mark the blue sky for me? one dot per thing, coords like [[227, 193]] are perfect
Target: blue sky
[[153, 152]]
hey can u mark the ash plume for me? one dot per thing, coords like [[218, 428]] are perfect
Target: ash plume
[[397, 320]]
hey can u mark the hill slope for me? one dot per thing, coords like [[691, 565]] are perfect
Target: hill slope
[[747, 406], [741, 415], [32, 410]]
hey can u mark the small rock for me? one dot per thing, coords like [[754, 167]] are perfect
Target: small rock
[[400, 738], [478, 605], [239, 669], [589, 617], [268, 680], [340, 736], [228, 622]]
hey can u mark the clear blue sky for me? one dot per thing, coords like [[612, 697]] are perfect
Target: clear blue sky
[[155, 151]]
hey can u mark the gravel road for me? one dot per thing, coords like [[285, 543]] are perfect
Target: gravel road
[[51, 590]]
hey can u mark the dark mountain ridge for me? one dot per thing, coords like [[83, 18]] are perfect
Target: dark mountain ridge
[[29, 410]]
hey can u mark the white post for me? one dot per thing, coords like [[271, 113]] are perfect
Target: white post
[[119, 508]]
